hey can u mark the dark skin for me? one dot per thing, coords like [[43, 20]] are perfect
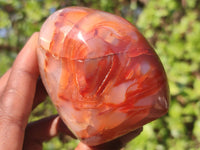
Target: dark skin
[[20, 92]]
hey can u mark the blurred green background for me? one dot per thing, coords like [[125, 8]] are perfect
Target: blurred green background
[[171, 26]]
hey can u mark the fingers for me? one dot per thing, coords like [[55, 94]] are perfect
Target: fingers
[[19, 92], [40, 93], [82, 146], [116, 144], [17, 97], [43, 130], [3, 81], [128, 137]]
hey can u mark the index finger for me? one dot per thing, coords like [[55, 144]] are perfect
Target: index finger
[[17, 98]]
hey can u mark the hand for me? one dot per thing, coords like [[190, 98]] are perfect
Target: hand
[[20, 93]]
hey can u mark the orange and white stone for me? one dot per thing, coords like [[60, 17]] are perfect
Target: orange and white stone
[[101, 74]]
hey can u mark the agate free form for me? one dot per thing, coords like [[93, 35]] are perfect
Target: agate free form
[[101, 74]]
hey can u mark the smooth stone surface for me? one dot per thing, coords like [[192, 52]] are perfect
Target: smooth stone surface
[[101, 74]]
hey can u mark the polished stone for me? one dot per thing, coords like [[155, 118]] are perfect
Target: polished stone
[[101, 74]]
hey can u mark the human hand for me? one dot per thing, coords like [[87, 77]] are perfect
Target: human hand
[[20, 93]]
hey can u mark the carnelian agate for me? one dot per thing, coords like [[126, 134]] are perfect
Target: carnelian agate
[[101, 74]]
